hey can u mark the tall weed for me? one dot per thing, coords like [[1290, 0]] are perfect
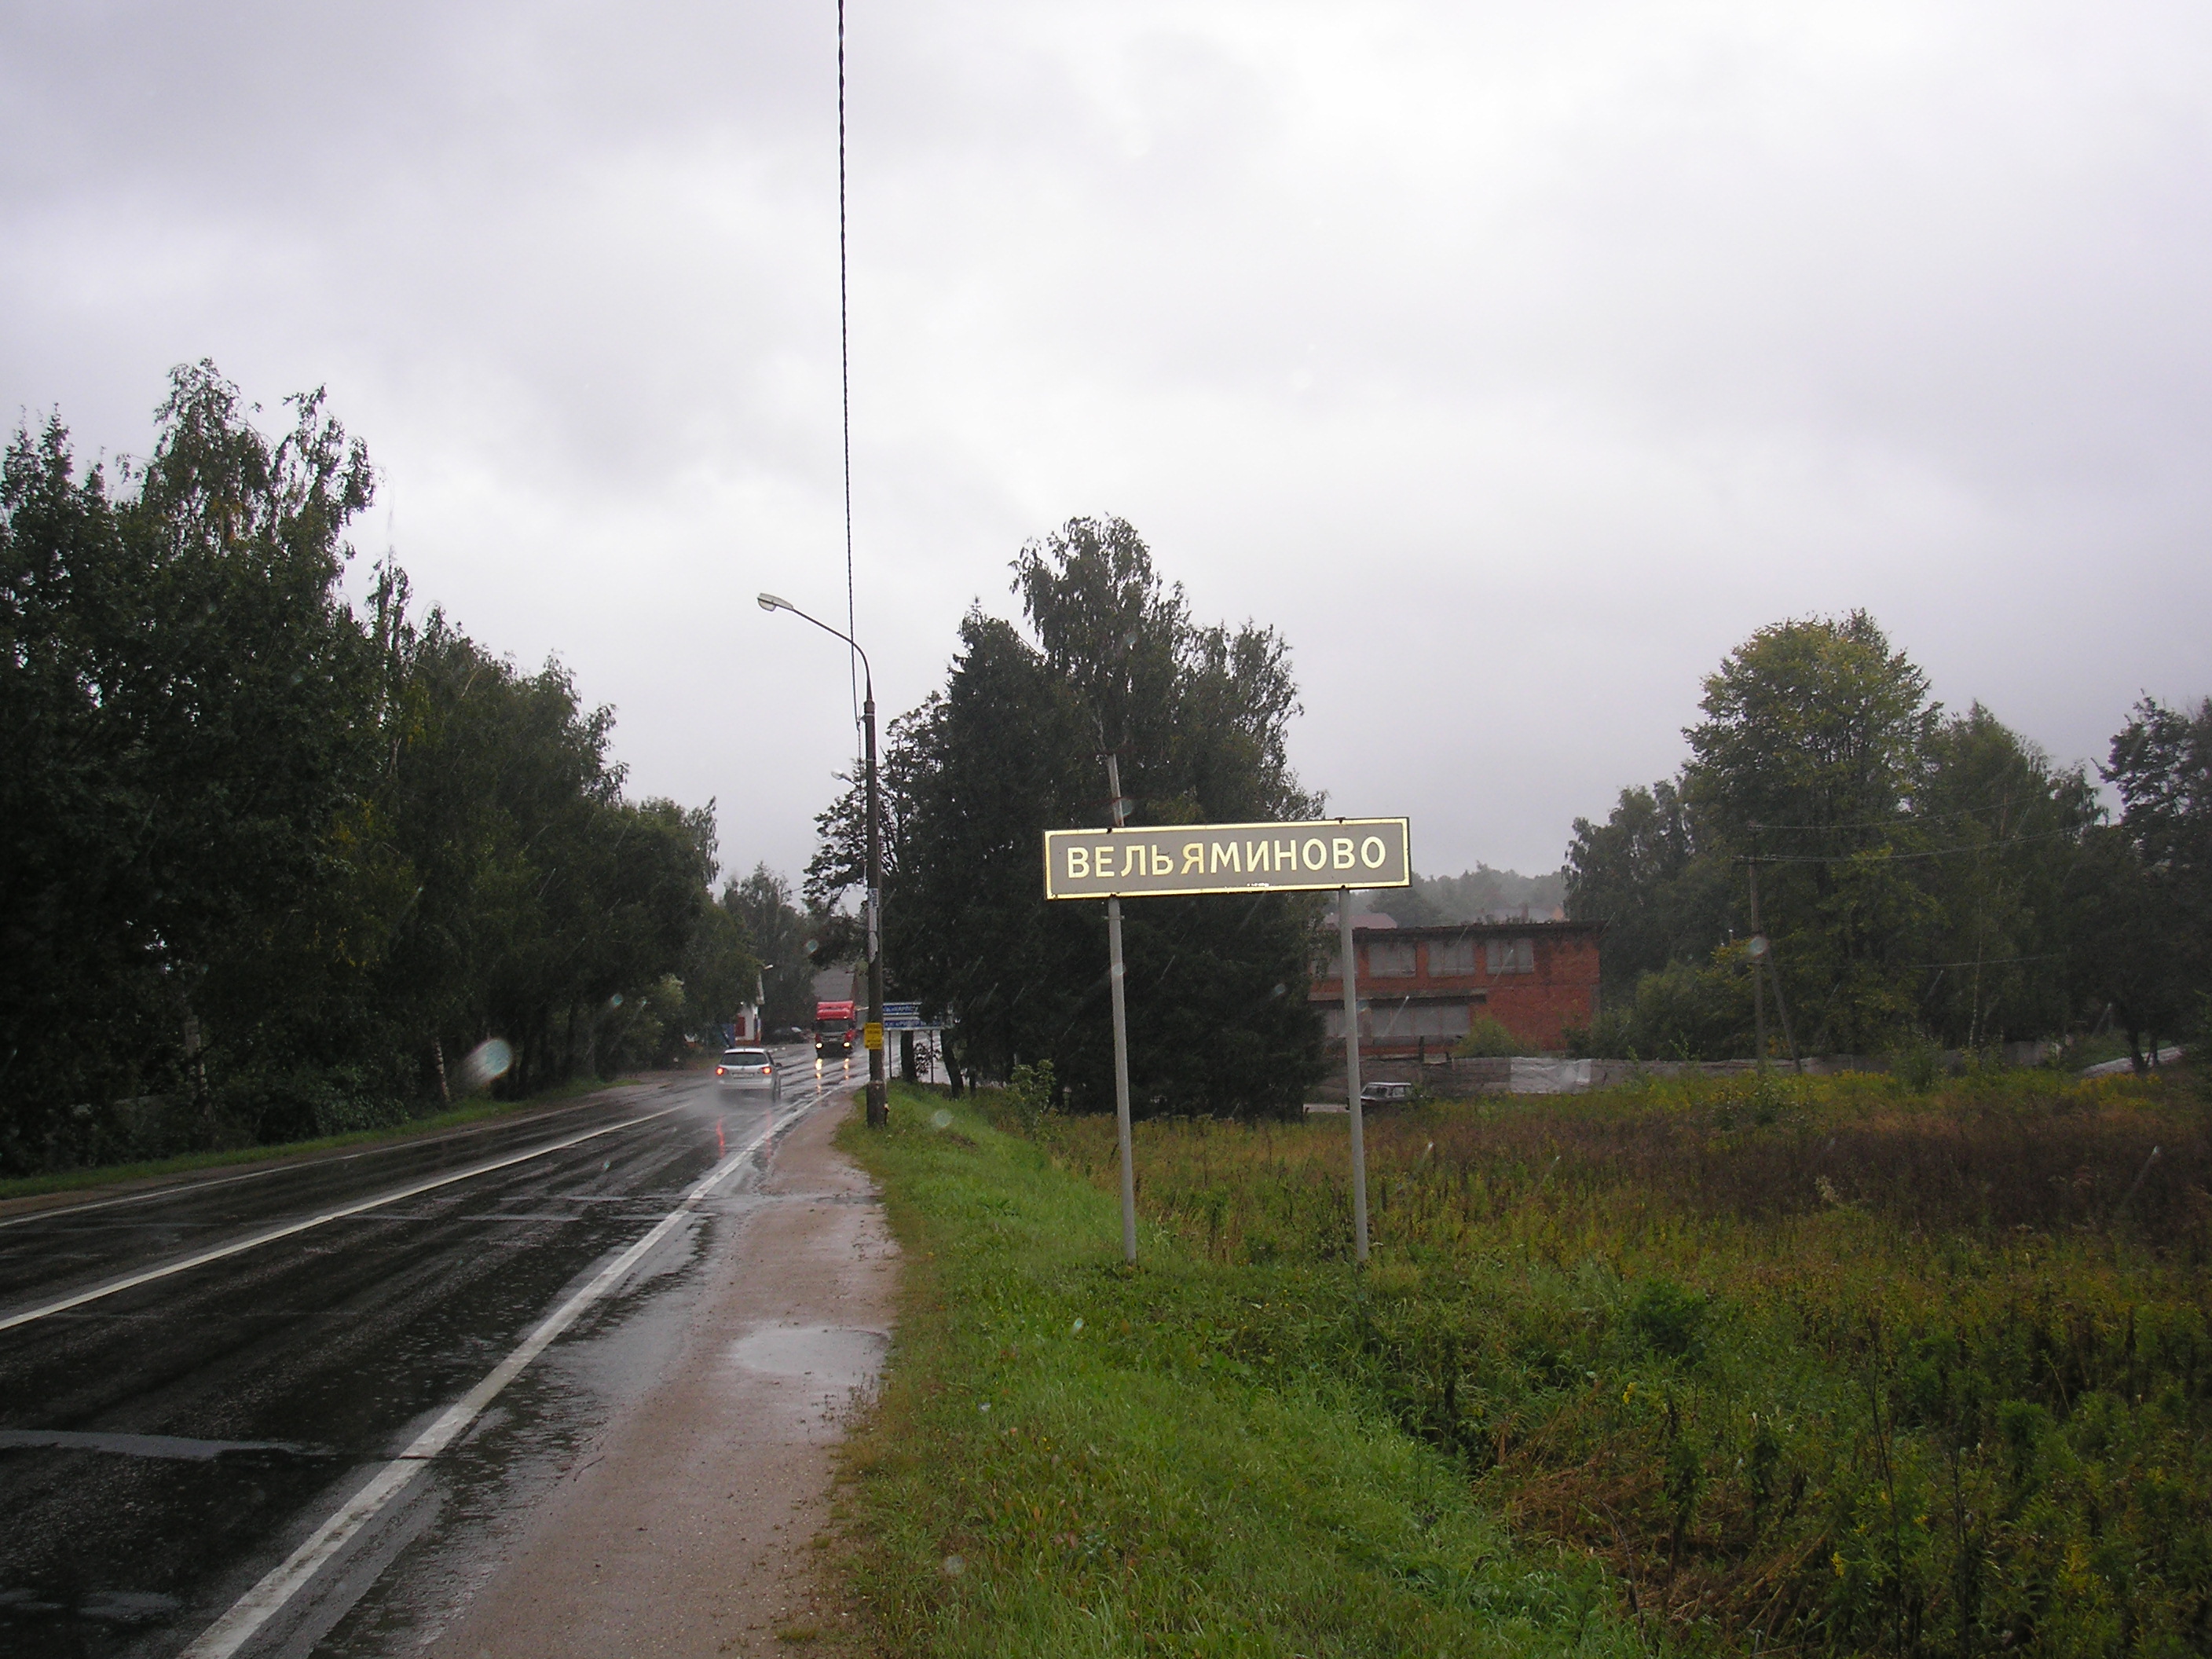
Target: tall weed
[[1838, 1365]]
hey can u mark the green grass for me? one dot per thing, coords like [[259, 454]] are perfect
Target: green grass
[[1072, 1458], [1744, 1366], [1822, 1366], [69, 1181]]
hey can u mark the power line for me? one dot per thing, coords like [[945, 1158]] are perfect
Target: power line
[[1884, 851], [1903, 818], [1987, 962]]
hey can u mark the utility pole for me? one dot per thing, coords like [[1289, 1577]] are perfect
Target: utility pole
[[1758, 948], [1762, 964], [1121, 1039], [879, 1110], [1788, 1038]]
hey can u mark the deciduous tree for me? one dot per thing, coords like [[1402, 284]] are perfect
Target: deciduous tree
[[1919, 875], [1011, 746], [265, 863]]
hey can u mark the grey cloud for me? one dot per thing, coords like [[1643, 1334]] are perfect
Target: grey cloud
[[1574, 342]]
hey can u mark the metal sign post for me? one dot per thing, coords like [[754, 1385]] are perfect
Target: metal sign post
[[1157, 861], [1352, 1072], [1121, 1041]]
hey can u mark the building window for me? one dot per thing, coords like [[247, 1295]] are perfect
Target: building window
[[1444, 1020], [1409, 1022], [1450, 958], [1391, 958], [1512, 956], [1332, 1024]]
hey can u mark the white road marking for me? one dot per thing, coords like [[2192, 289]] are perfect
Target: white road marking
[[254, 1241], [266, 1599]]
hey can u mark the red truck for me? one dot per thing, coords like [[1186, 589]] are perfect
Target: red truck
[[834, 1024]]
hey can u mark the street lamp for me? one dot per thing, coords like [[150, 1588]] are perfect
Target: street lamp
[[879, 1108]]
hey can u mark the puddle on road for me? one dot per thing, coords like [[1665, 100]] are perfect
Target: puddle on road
[[835, 1356]]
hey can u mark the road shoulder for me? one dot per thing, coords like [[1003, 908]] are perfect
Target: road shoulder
[[690, 1529]]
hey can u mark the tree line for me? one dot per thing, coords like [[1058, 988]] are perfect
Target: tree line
[[275, 866], [1481, 894], [1922, 876]]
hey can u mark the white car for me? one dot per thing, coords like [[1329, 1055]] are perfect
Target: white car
[[749, 1068], [1386, 1094]]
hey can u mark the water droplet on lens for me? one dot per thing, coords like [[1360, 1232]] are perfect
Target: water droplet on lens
[[490, 1058]]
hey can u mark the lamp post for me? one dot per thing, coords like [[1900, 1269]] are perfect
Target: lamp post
[[878, 1107]]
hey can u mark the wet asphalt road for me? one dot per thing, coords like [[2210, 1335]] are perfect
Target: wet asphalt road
[[163, 1447]]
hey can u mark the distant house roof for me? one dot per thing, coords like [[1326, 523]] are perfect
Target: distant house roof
[[1366, 920], [1455, 929]]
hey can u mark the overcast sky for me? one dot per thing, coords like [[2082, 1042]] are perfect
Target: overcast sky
[[1514, 361]]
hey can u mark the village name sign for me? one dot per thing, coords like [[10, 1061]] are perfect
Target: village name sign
[[1170, 861], [1162, 860]]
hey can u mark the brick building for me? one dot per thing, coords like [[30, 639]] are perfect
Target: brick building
[[1419, 987]]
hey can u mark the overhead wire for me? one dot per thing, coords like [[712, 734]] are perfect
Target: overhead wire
[[1986, 962], [1884, 851], [1990, 803]]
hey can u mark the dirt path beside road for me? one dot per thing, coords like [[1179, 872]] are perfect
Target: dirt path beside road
[[689, 1531]]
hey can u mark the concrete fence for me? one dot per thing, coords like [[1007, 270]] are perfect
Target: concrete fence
[[1454, 1079]]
